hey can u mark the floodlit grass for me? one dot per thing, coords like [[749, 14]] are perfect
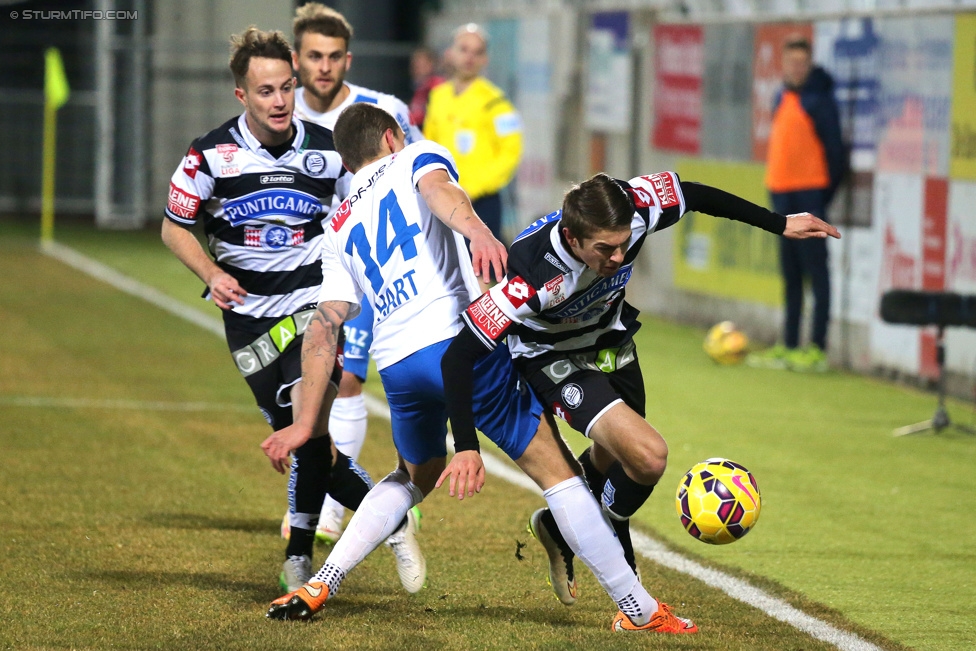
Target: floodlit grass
[[159, 529]]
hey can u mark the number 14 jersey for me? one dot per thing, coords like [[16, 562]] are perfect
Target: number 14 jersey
[[385, 243]]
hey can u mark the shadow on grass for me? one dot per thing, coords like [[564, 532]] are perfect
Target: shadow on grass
[[257, 592], [200, 522]]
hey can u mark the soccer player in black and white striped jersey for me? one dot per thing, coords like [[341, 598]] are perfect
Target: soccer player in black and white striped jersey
[[562, 312], [264, 186]]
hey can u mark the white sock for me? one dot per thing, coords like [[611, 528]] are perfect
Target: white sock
[[347, 426], [581, 521], [378, 516]]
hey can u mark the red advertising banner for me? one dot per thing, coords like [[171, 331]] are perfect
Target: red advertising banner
[[679, 57], [767, 76], [934, 218]]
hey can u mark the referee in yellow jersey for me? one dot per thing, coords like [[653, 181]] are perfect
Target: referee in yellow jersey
[[472, 118]]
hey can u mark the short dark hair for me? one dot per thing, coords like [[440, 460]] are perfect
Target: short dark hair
[[358, 133], [316, 18], [255, 43], [798, 43], [598, 203]]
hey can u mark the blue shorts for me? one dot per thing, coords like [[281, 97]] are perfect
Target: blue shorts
[[359, 337], [506, 410]]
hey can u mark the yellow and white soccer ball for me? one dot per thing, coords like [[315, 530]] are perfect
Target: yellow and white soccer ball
[[726, 344], [718, 501]]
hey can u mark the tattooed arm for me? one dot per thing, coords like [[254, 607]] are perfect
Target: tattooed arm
[[451, 204], [319, 346]]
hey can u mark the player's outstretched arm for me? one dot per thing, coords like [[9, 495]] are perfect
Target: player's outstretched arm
[[319, 346], [224, 288], [801, 226], [451, 204], [466, 469]]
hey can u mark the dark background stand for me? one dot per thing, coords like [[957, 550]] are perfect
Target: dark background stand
[[940, 309]]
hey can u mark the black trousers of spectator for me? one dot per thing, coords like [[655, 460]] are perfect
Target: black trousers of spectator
[[489, 208], [801, 259]]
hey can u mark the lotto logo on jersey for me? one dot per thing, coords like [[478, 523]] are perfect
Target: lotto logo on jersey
[[342, 214], [182, 204], [663, 185], [191, 163], [518, 291], [641, 198], [488, 317]]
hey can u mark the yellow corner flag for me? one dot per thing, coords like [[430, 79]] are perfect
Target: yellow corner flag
[[56, 93]]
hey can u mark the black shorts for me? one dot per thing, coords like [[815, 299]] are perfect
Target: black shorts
[[583, 395], [270, 380]]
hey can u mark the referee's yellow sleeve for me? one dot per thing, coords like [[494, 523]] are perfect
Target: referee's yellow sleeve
[[501, 168]]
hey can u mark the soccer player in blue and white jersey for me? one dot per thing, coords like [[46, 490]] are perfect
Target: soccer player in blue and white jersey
[[264, 184], [322, 58], [396, 241]]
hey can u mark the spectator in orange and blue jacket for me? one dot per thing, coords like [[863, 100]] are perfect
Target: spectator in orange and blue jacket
[[805, 163]]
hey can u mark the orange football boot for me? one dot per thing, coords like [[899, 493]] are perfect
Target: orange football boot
[[663, 621]]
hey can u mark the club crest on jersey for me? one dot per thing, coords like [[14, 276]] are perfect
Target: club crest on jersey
[[518, 291], [191, 163], [556, 290], [314, 163], [663, 185], [273, 237], [572, 395], [487, 317]]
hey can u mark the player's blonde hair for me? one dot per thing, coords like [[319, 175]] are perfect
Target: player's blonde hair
[[316, 18], [251, 43]]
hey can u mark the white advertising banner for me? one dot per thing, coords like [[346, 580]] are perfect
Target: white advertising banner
[[961, 271], [898, 219], [536, 104], [609, 76]]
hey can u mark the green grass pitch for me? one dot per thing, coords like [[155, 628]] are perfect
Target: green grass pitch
[[146, 528]]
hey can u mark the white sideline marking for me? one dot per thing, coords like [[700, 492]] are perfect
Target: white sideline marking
[[131, 286], [646, 546], [138, 405]]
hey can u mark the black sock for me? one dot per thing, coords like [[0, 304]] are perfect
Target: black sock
[[594, 478], [622, 496], [349, 483], [310, 480], [622, 529], [301, 542]]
